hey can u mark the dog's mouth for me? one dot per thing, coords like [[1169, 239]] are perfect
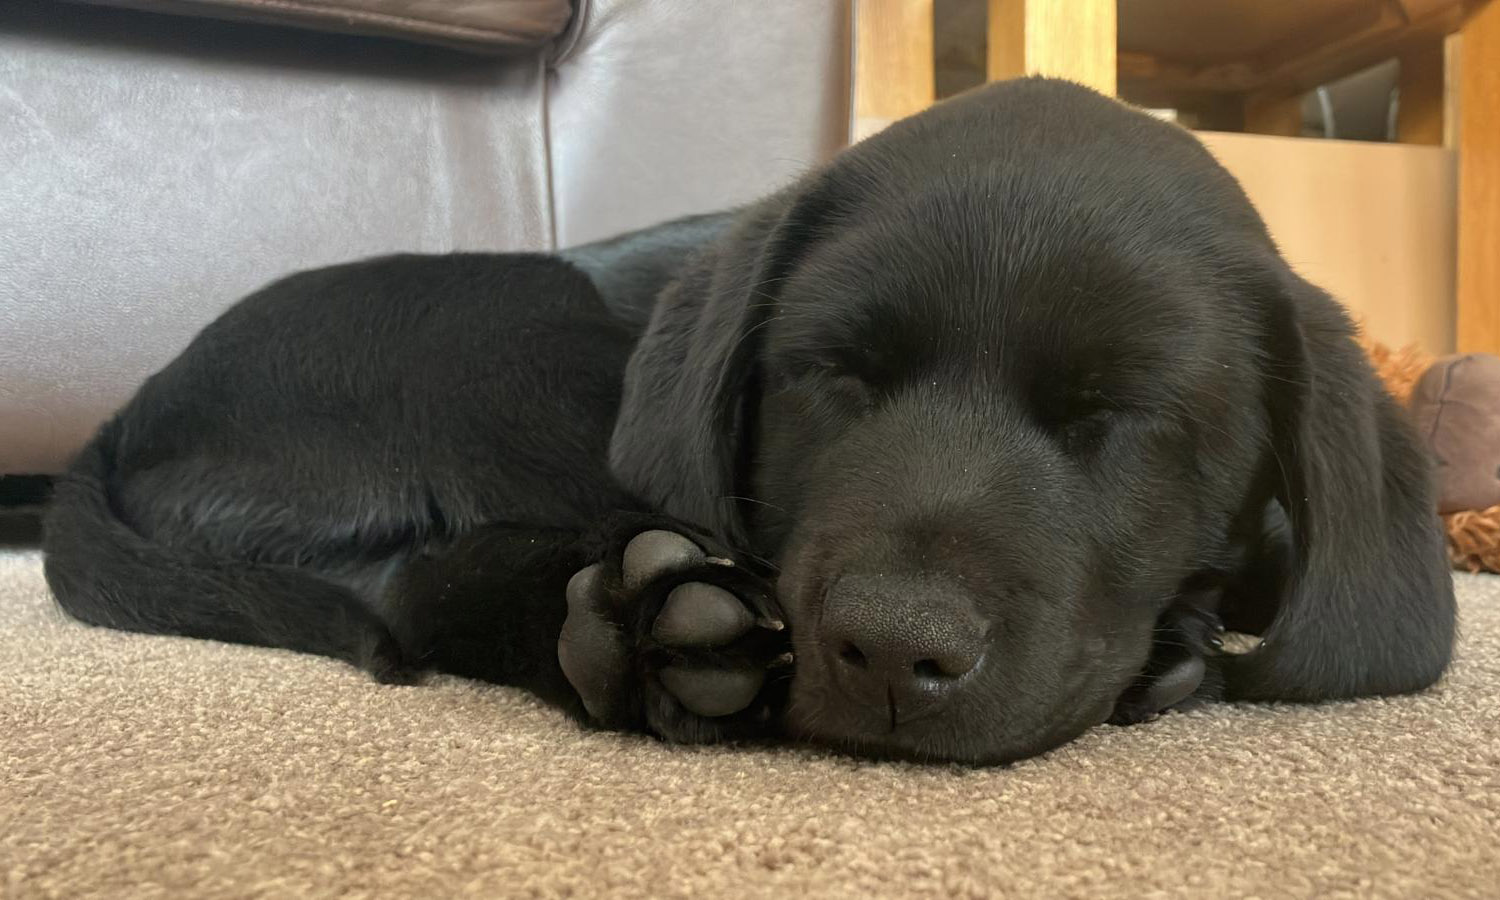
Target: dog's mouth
[[980, 717], [815, 717]]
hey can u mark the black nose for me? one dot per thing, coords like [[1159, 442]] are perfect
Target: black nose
[[902, 643]]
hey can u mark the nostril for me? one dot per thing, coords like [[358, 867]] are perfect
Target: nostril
[[929, 668], [946, 667], [853, 656]]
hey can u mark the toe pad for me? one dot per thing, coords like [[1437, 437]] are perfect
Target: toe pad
[[698, 614], [713, 692], [591, 650], [651, 554]]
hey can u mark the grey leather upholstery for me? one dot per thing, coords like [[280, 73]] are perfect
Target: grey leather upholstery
[[684, 106], [155, 168], [477, 25]]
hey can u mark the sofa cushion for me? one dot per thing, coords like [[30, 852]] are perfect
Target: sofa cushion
[[480, 25]]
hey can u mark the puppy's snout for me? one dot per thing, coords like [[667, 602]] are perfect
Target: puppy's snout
[[901, 644]]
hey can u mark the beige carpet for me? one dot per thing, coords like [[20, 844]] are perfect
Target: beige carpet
[[136, 766]]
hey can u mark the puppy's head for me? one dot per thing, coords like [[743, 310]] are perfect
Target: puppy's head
[[998, 389]]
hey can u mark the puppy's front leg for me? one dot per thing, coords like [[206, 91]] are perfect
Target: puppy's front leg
[[631, 626]]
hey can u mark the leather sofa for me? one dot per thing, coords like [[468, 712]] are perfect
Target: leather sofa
[[158, 162]]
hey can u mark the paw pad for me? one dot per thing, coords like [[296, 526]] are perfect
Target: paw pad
[[671, 620], [652, 554], [713, 692], [702, 615]]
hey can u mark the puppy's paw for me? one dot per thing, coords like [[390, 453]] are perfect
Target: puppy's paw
[[384, 659], [666, 637], [1195, 630], [1182, 670]]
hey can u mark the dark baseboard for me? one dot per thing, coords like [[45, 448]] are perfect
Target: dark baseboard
[[21, 500], [24, 490], [20, 528]]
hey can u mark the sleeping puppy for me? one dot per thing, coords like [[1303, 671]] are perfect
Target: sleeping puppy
[[967, 442]]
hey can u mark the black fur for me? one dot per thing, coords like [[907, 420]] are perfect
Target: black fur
[[1030, 355]]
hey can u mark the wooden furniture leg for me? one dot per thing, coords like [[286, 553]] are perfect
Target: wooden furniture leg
[[1478, 324], [1073, 39], [893, 62]]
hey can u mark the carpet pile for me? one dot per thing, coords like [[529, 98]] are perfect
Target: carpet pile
[[144, 766]]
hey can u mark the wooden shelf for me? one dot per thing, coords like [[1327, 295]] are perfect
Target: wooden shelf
[[1268, 46], [1244, 65]]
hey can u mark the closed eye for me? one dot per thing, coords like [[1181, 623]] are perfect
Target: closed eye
[[1090, 402], [1080, 418], [835, 386], [849, 388]]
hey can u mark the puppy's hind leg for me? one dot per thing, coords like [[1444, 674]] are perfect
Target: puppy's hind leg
[[106, 573]]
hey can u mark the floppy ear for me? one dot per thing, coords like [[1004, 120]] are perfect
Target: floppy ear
[[690, 385], [1366, 603]]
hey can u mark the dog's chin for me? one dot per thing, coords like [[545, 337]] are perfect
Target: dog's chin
[[933, 741], [967, 734]]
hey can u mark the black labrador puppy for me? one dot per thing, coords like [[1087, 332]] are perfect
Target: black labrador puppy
[[961, 445]]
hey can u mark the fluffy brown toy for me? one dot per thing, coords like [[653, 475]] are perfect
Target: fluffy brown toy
[[1455, 402], [1399, 369]]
